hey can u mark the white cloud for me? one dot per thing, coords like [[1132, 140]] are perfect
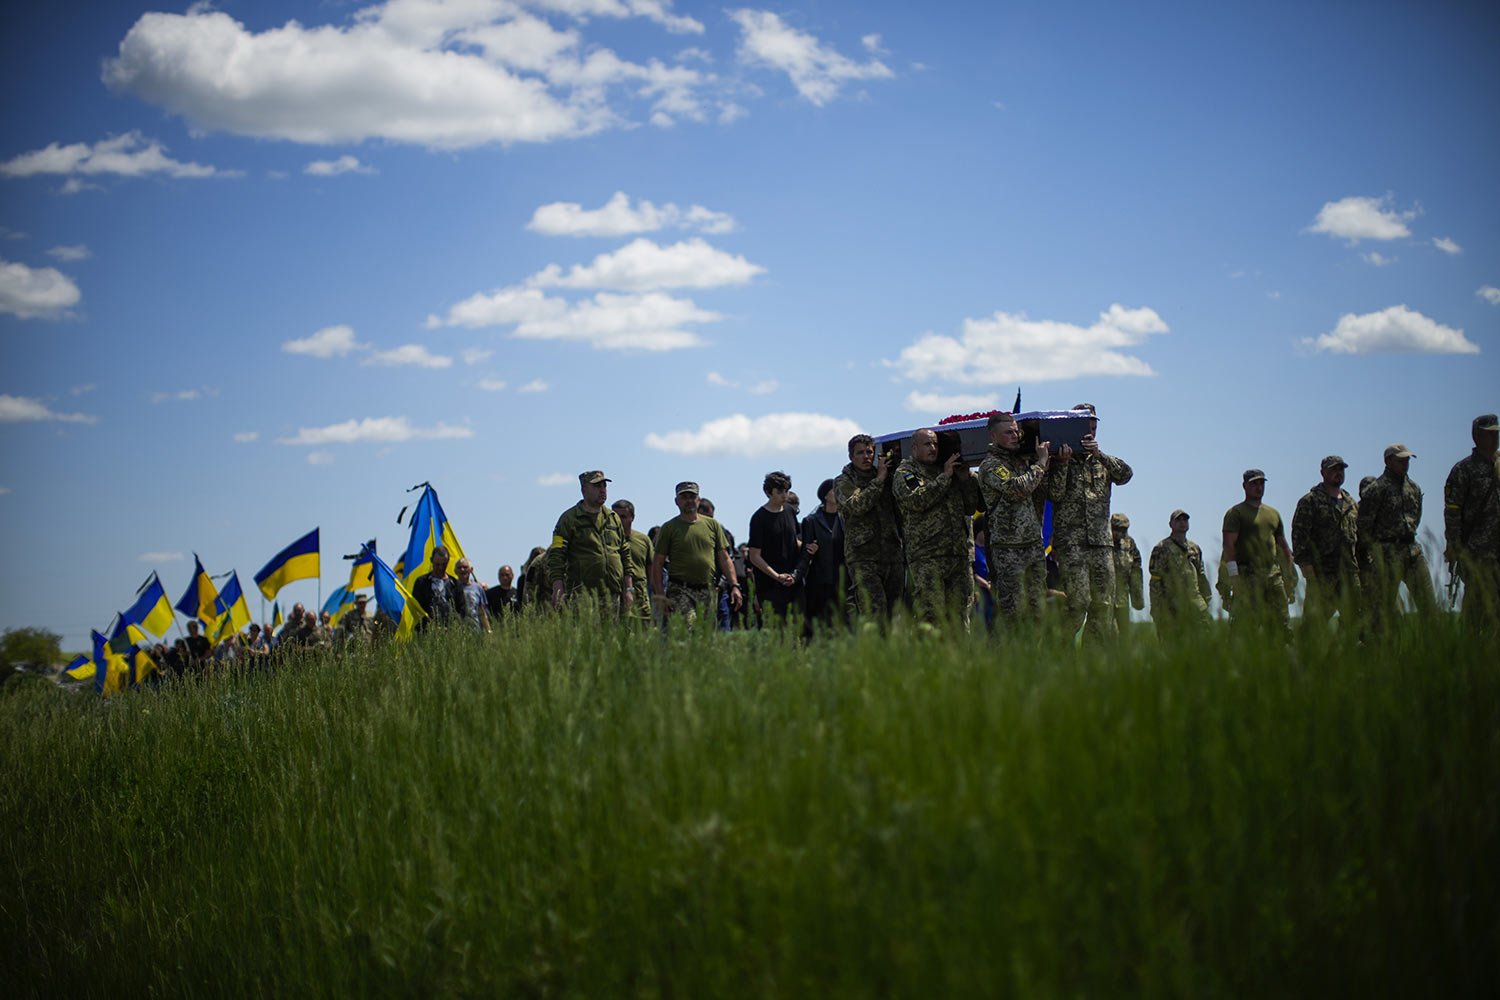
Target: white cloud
[[25, 409], [70, 254], [1446, 245], [332, 168], [642, 265], [714, 378], [1378, 259], [933, 402], [816, 71], [651, 322], [7, 233], [320, 458], [409, 356], [775, 433], [492, 384], [4, 490], [447, 75], [872, 45], [82, 390], [555, 479], [1356, 218], [128, 155], [1394, 330], [476, 355], [1490, 294], [535, 385], [376, 430], [764, 387], [183, 395], [75, 185], [618, 218], [159, 557], [329, 342], [1007, 348], [246, 437], [30, 292]]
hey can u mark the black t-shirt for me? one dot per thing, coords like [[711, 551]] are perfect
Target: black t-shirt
[[501, 600], [776, 537]]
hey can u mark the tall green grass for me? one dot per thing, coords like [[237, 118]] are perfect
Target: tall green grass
[[572, 810]]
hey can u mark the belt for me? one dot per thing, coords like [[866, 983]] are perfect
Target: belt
[[673, 581]]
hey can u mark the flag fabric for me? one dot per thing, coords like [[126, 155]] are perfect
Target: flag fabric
[[124, 634], [338, 604], [151, 609], [400, 568], [429, 529], [1047, 527], [81, 669], [141, 665], [394, 600], [277, 618], [231, 611], [111, 672], [298, 561], [198, 600], [362, 573]]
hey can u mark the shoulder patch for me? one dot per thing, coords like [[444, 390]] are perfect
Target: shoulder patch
[[912, 479], [1002, 472]]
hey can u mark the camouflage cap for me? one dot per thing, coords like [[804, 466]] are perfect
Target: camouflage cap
[[1398, 451], [1487, 422], [593, 477], [687, 487], [1334, 462], [1086, 406], [1253, 474], [1179, 512], [1119, 521]]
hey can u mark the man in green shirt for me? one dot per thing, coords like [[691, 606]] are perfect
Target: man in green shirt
[[1256, 573], [642, 552], [694, 544], [590, 550]]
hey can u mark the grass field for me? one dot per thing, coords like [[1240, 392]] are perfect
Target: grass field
[[573, 811]]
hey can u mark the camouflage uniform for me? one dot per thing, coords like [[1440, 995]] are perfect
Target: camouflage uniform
[[935, 509], [1471, 527], [1080, 494], [590, 552], [642, 552], [1325, 536], [1129, 592], [1389, 513], [872, 543], [1008, 484], [1179, 588]]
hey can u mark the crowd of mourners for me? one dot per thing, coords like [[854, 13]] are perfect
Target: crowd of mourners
[[928, 536]]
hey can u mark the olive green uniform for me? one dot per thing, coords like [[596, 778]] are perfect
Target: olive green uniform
[[1009, 482], [1389, 513], [1129, 588], [1325, 536], [1255, 598], [692, 549], [589, 552], [1179, 588], [1471, 528], [872, 542], [936, 509], [1080, 492], [642, 552]]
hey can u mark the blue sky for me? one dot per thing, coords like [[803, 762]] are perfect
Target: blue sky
[[267, 265]]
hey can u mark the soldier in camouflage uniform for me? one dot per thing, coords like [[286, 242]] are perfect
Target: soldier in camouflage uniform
[[1389, 513], [872, 543], [936, 504], [1179, 585], [1325, 543], [1471, 525], [590, 550], [1129, 589], [1079, 487], [1009, 485]]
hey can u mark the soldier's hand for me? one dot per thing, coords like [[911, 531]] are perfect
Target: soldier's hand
[[736, 599], [1043, 451], [786, 579], [627, 598], [1090, 445], [1065, 454], [880, 467], [557, 595], [949, 466]]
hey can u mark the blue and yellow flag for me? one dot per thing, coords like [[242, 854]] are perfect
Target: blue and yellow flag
[[231, 611], [141, 665], [277, 618], [198, 600], [1047, 527], [298, 561], [81, 669], [339, 602], [111, 672], [151, 609], [395, 601], [362, 573], [429, 529], [124, 634]]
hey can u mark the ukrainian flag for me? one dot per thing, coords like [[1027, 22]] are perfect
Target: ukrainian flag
[[429, 529], [198, 600], [298, 561], [111, 673], [141, 666], [362, 573], [231, 613], [339, 602], [81, 669], [277, 618], [125, 634], [151, 609], [395, 601]]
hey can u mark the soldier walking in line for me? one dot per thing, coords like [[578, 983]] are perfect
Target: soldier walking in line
[[696, 546], [1010, 484], [590, 551], [641, 554], [1080, 486], [872, 543], [1471, 525], [1129, 589], [936, 504], [1325, 545], [1179, 585], [1256, 575], [1389, 513]]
